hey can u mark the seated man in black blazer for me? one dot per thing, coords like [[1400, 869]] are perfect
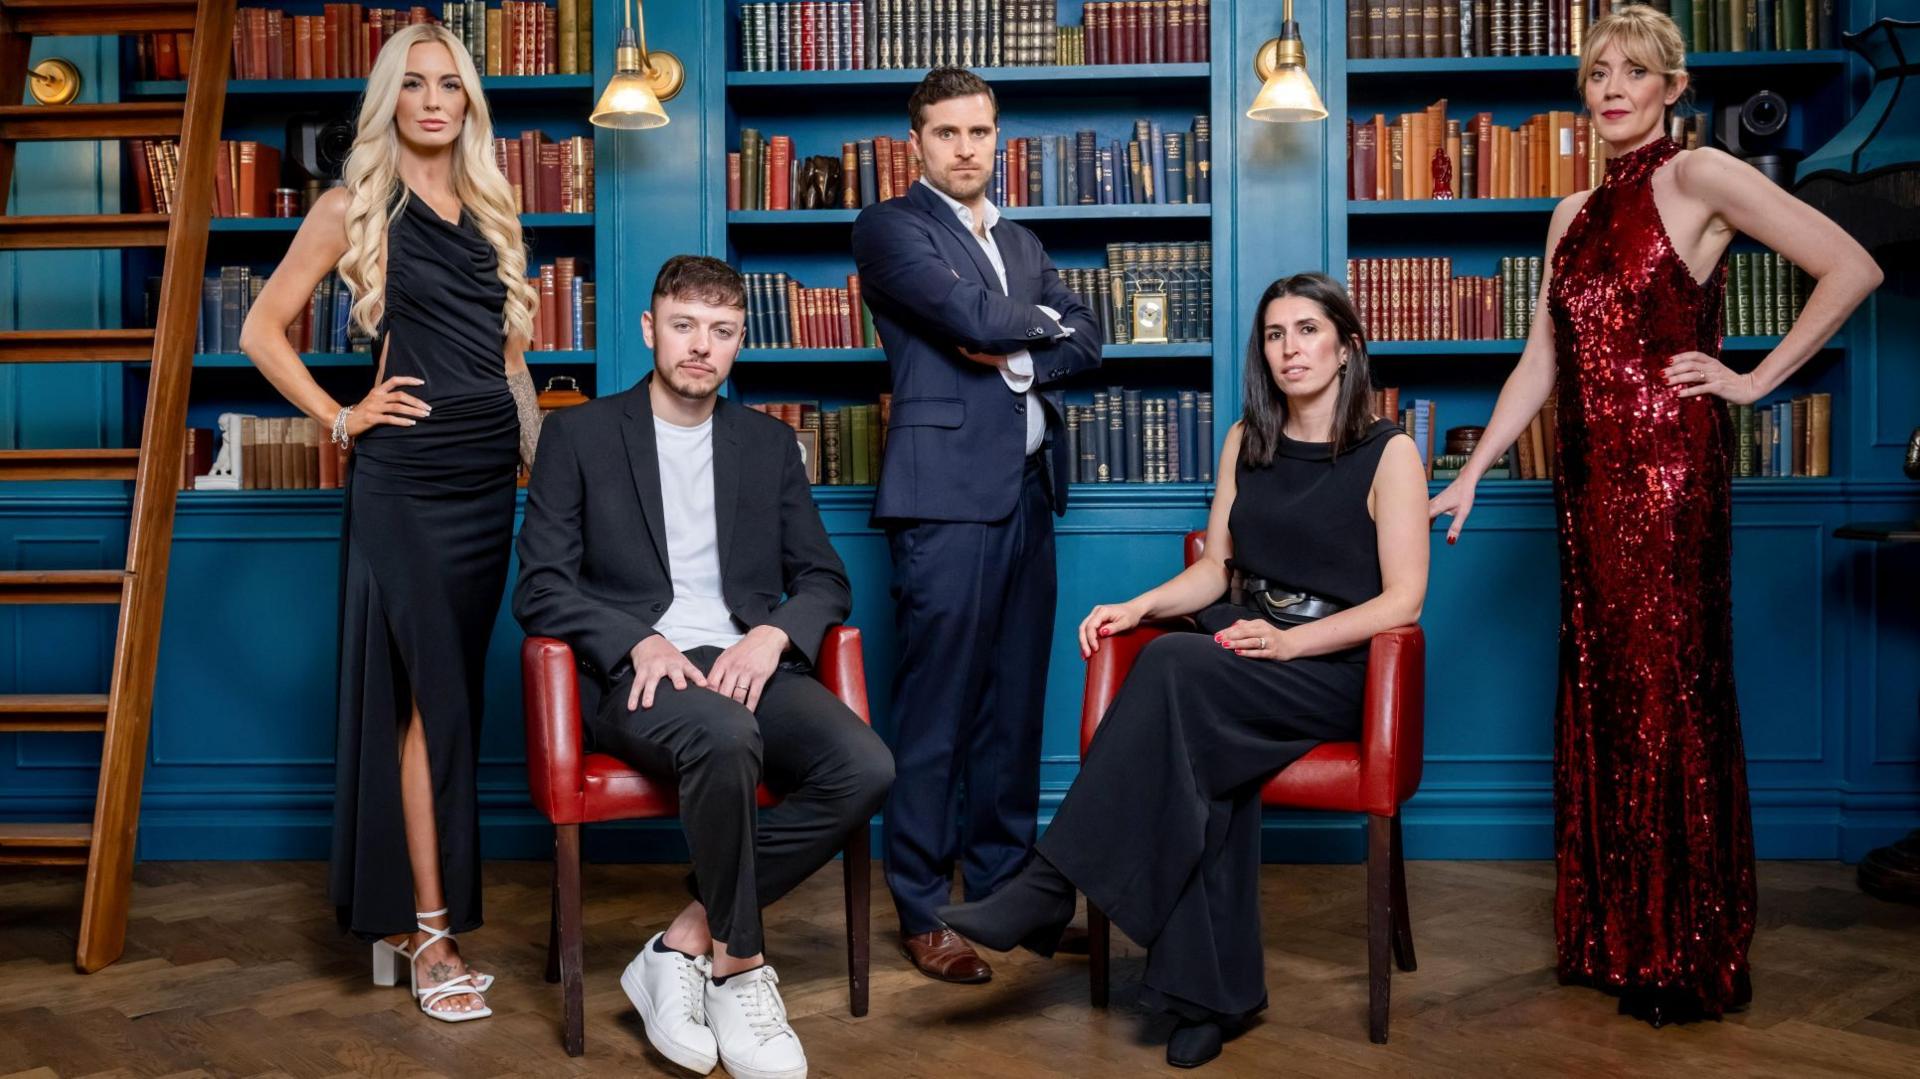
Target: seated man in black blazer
[[671, 539]]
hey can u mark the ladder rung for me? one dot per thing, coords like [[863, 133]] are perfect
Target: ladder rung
[[70, 123], [68, 464], [52, 712], [87, 18], [61, 585], [44, 844], [84, 231], [76, 346]]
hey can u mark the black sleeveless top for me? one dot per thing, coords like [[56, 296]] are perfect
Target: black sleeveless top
[[444, 302], [1302, 521], [442, 324]]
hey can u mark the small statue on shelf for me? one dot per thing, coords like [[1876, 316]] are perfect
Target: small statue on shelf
[[1442, 174]]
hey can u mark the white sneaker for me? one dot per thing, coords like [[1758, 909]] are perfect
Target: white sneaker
[[668, 989], [749, 1021]]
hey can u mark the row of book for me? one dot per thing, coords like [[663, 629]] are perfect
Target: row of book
[[564, 320], [1765, 294], [246, 178], [227, 295], [1425, 155], [1395, 29], [842, 35], [1153, 167], [1420, 299], [1748, 25], [274, 453], [1182, 272], [515, 38], [840, 446], [781, 313], [548, 175], [1784, 438], [1147, 31], [1127, 436]]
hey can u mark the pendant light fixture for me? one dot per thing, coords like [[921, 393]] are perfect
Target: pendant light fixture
[[1286, 92]]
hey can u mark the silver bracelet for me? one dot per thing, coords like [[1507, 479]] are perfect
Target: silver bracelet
[[340, 437]]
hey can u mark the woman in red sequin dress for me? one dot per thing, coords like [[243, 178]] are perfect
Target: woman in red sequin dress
[[1654, 840]]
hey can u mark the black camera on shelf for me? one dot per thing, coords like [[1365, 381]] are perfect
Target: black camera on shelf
[[1755, 131], [319, 144]]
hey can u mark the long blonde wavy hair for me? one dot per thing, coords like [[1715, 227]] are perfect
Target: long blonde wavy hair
[[373, 179]]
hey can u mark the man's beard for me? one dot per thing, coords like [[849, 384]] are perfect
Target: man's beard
[[953, 189], [690, 391]]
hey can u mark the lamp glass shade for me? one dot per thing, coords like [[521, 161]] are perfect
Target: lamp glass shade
[[629, 104], [1288, 97]]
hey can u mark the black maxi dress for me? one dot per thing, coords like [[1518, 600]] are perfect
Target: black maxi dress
[[1161, 829], [427, 533]]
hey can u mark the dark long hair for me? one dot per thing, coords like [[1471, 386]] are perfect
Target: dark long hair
[[1266, 406]]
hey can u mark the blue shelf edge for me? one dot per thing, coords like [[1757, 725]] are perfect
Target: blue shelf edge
[[1402, 207], [283, 87], [1077, 74], [362, 359], [1172, 350], [1520, 65], [1122, 212], [292, 224], [1512, 346]]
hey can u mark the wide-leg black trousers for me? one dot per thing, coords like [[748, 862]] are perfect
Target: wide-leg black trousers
[[1161, 830]]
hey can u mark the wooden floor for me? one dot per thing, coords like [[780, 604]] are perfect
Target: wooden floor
[[237, 969]]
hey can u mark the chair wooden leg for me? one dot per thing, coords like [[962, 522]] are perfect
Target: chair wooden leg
[[553, 923], [859, 886], [1379, 923], [566, 876], [1099, 949], [1402, 920]]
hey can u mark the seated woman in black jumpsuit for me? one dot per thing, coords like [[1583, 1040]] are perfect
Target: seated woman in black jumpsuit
[[1162, 827]]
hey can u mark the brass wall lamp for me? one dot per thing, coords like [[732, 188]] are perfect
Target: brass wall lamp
[[1286, 92], [641, 81]]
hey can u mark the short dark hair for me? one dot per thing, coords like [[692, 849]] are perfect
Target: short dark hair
[[701, 278], [945, 84]]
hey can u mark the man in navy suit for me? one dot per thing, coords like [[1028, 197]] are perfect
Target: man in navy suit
[[974, 320]]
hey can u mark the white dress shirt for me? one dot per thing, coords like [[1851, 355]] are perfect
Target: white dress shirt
[[1018, 370]]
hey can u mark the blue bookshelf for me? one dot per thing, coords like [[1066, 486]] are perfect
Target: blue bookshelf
[[821, 110], [1023, 81], [218, 360]]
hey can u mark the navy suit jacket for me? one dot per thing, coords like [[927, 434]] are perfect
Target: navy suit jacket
[[956, 441]]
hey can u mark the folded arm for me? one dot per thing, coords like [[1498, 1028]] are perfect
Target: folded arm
[[898, 259]]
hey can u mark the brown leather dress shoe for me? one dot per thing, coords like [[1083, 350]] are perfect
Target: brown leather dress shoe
[[943, 956]]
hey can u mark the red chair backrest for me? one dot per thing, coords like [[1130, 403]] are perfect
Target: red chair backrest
[[550, 693]]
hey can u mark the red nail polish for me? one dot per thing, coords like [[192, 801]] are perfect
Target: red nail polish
[[1450, 540]]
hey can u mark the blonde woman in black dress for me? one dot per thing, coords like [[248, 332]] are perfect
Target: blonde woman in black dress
[[426, 234]]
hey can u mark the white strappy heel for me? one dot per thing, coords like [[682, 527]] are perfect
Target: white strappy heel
[[386, 972]]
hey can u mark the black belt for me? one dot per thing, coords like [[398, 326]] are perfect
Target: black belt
[[1276, 602]]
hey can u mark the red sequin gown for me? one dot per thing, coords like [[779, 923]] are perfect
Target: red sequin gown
[[1654, 840]]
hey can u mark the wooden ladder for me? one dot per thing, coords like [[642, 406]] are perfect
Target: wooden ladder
[[121, 714]]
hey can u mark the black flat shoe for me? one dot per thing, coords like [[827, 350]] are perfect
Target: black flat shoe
[[1031, 911], [1661, 1007], [1194, 1043]]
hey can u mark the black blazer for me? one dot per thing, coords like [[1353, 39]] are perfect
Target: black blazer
[[956, 442], [593, 548]]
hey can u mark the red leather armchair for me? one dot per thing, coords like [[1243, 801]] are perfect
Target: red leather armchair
[[573, 787], [1372, 776]]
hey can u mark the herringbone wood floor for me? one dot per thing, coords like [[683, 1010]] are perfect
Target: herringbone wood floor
[[237, 969]]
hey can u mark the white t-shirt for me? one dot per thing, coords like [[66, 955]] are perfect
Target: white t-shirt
[[698, 615]]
